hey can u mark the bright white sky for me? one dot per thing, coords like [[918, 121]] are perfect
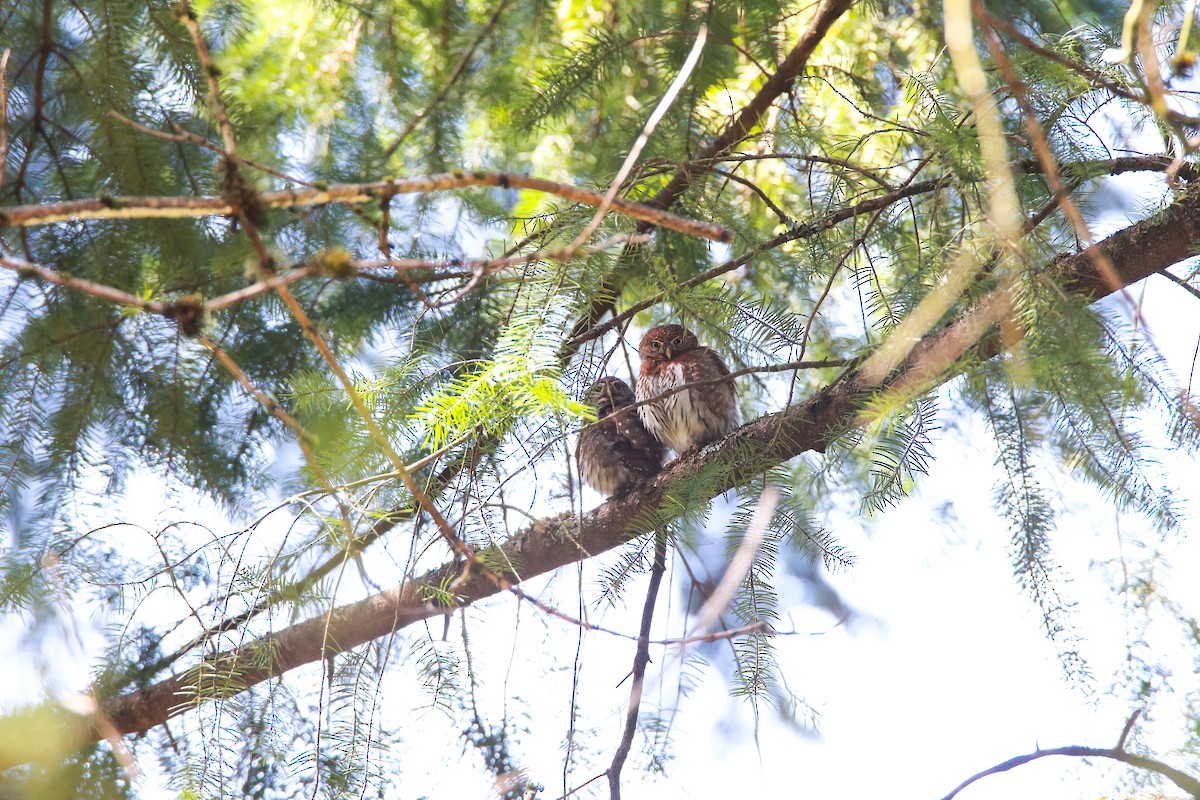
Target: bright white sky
[[949, 673]]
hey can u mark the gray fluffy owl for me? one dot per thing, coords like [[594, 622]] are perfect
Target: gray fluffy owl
[[614, 454], [691, 418]]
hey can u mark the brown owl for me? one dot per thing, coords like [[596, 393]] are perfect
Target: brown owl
[[617, 453], [691, 418]]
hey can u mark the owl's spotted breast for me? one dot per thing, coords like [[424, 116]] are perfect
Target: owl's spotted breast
[[681, 416]]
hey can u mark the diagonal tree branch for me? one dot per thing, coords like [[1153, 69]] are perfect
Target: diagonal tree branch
[[1137, 251]]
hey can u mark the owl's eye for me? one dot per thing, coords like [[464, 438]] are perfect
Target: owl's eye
[[678, 340], [656, 345]]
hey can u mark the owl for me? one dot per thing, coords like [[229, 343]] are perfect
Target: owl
[[688, 419], [617, 453]]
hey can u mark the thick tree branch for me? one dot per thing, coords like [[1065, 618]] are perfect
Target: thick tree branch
[[349, 193], [1137, 251]]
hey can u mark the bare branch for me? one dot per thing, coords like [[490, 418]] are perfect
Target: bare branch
[[4, 114], [185, 136], [350, 194], [29, 269], [1178, 777], [641, 659]]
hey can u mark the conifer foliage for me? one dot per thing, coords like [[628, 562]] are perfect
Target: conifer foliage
[[330, 278]]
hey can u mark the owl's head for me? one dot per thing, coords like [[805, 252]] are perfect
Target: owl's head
[[607, 394], [664, 342]]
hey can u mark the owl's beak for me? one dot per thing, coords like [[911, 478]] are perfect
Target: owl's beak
[[667, 350]]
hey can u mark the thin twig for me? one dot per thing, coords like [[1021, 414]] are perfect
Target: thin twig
[[712, 636], [262, 397], [661, 109], [157, 207], [740, 158], [188, 18], [582, 786], [1187, 287], [1178, 777], [381, 477], [4, 114], [28, 269], [457, 73], [783, 217], [640, 659], [184, 136]]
